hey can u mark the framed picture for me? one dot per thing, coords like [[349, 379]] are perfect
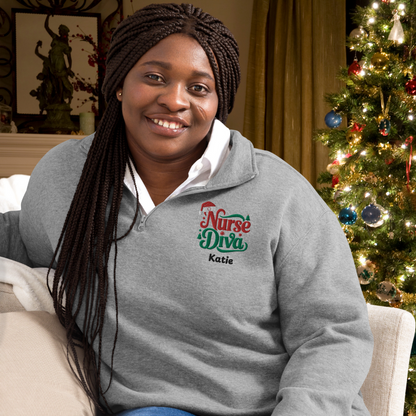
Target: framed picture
[[50, 59]]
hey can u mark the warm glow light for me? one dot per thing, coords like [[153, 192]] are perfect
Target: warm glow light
[[410, 269], [363, 152], [375, 5], [347, 189], [387, 193], [401, 6], [408, 224], [410, 117], [403, 146], [364, 109], [371, 20], [367, 194], [362, 260]]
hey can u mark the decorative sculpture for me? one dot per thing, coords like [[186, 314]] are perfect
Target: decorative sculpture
[[56, 91]]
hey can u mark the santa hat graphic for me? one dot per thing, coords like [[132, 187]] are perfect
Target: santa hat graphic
[[206, 207]]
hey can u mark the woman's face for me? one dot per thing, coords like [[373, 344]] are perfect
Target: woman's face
[[169, 100]]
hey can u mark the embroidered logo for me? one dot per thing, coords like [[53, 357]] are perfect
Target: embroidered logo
[[220, 231]]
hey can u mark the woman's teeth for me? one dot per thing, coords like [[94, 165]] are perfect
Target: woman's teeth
[[169, 125]]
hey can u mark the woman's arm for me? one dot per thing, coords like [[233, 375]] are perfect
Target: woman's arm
[[325, 325], [11, 243]]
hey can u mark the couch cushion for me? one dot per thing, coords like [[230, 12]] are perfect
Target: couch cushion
[[35, 378]]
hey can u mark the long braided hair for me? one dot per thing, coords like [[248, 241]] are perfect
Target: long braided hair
[[81, 283]]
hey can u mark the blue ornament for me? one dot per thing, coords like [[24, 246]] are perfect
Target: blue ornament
[[384, 126], [371, 214], [332, 119], [347, 216]]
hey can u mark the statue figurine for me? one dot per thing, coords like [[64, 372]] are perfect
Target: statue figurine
[[56, 91], [13, 127]]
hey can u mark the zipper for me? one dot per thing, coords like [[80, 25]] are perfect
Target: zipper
[[190, 191]]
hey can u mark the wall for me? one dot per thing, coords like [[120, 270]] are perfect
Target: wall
[[235, 14]]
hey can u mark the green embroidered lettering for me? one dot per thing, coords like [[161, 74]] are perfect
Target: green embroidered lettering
[[207, 234]]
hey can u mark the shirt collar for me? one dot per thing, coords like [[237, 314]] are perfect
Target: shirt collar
[[200, 172]]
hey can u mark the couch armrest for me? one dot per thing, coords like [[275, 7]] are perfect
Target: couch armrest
[[8, 300]]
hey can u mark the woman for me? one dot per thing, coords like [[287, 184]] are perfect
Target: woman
[[203, 275]]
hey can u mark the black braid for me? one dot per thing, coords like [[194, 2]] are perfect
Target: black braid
[[89, 232]]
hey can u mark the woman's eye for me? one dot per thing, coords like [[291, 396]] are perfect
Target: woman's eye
[[155, 77], [198, 88]]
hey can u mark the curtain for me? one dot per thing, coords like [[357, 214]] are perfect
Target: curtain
[[296, 50]]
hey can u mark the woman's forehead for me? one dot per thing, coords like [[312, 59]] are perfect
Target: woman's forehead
[[178, 50]]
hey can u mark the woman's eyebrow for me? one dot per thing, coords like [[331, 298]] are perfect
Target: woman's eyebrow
[[162, 64], [168, 66]]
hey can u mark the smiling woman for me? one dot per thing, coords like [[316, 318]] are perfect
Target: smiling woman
[[169, 102], [200, 275]]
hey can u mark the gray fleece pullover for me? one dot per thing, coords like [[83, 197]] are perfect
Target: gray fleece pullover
[[239, 298]]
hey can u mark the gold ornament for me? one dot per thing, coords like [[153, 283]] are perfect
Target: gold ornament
[[349, 234], [355, 135], [371, 178], [359, 33], [397, 301], [379, 60]]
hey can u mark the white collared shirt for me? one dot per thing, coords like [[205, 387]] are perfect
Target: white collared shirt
[[200, 173]]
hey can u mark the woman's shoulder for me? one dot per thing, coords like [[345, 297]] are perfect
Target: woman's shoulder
[[281, 184], [64, 160], [273, 169]]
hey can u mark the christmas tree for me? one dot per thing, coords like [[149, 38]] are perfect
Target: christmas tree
[[372, 179]]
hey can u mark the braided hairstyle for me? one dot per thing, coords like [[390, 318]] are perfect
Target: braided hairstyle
[[81, 283]]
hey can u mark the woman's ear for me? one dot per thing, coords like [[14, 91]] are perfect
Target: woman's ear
[[119, 94]]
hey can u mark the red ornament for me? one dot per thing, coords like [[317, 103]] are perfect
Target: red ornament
[[386, 1], [411, 86], [357, 127], [354, 68]]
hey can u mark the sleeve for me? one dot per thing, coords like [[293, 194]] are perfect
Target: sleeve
[[11, 243], [30, 235], [325, 325]]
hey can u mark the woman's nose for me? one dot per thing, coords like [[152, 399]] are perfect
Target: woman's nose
[[174, 97]]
